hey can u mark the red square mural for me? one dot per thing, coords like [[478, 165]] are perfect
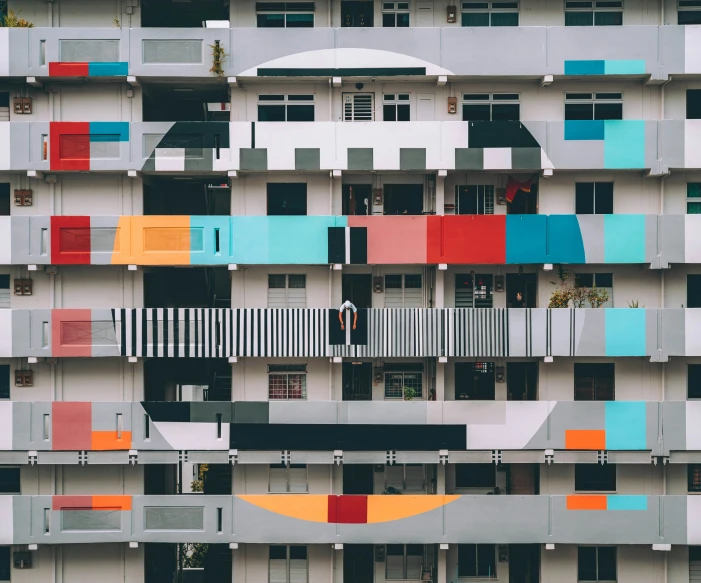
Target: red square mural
[[71, 426], [348, 509], [70, 240], [71, 333], [68, 69], [69, 145], [465, 239]]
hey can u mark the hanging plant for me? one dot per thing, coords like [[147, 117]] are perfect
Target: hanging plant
[[12, 20], [218, 58]]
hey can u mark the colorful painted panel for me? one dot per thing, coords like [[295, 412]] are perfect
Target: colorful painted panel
[[72, 145], [624, 140], [606, 502], [605, 67], [464, 239], [88, 69]]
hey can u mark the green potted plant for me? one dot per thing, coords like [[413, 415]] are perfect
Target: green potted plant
[[409, 393]]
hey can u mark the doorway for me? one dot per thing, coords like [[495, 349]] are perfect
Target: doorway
[[474, 290], [358, 564], [524, 203], [357, 13], [357, 381], [403, 199], [357, 199], [523, 479], [358, 479], [358, 289], [521, 290], [524, 563], [522, 381]]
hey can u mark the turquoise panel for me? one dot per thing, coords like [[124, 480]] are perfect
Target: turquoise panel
[[624, 67], [626, 502], [625, 332], [249, 236], [624, 238], [525, 238], [584, 129], [210, 240], [565, 243], [624, 143], [299, 240], [103, 130], [584, 67], [116, 69], [626, 425]]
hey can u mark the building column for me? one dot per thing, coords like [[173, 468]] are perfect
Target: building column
[[440, 479], [337, 565], [440, 381], [439, 291], [440, 194], [442, 571]]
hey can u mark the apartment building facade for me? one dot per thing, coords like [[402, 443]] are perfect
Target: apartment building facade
[[189, 190]]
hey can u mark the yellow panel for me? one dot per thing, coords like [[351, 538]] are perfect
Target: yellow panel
[[122, 238], [388, 508], [160, 240], [314, 508]]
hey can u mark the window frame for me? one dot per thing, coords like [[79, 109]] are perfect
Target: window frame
[[285, 12], [594, 10], [287, 470], [286, 371], [405, 556], [693, 478], [485, 197], [288, 287], [348, 98], [404, 488], [595, 184], [490, 10], [693, 199], [594, 369], [491, 99], [598, 579], [396, 10], [697, 394], [591, 487], [288, 559], [404, 287], [594, 100], [469, 467], [18, 472], [476, 563], [403, 370], [395, 103], [689, 278], [601, 274], [6, 558], [286, 102], [689, 9]]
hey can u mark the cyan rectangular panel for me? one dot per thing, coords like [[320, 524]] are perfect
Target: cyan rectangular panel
[[624, 238], [584, 129], [298, 240], [625, 502], [625, 332], [213, 246], [626, 425], [622, 67], [120, 129], [117, 69], [250, 240], [525, 238], [624, 143], [565, 243], [585, 68]]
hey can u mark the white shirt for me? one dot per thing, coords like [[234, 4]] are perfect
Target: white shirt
[[347, 306]]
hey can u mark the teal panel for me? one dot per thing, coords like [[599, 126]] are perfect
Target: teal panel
[[624, 67], [525, 239], [204, 240], [565, 243], [625, 332], [585, 67], [249, 236], [626, 425], [624, 143], [624, 238], [299, 240], [626, 502]]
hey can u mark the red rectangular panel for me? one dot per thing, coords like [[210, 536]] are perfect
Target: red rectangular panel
[[70, 240], [74, 139], [69, 70], [351, 510], [467, 239], [71, 426], [71, 502], [71, 333], [394, 239]]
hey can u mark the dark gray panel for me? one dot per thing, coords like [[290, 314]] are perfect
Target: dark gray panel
[[360, 159], [307, 158], [469, 158], [525, 158], [412, 158], [253, 412], [206, 412], [174, 518], [253, 159]]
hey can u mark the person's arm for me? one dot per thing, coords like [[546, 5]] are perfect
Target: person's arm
[[355, 319], [340, 319]]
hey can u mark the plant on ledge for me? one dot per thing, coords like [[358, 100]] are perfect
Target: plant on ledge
[[409, 393], [218, 58], [12, 20], [635, 304], [569, 294]]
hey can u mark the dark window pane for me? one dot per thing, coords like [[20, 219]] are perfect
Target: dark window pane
[[693, 291], [586, 564], [5, 379], [467, 200], [287, 199], [693, 388], [277, 552], [403, 112], [4, 98], [584, 280], [584, 198], [506, 112], [608, 111], [579, 19], [694, 477], [486, 563], [270, 6], [595, 477], [298, 552], [271, 113], [395, 550], [594, 381], [403, 20], [579, 111], [467, 560], [412, 281], [475, 476], [393, 281], [388, 20], [4, 199], [608, 18], [389, 112], [300, 21], [693, 102], [695, 553], [505, 19], [9, 480], [5, 557], [689, 17], [604, 280], [604, 198], [271, 21], [475, 112], [300, 113], [475, 19], [607, 563]]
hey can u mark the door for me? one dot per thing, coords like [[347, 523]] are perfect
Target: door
[[524, 563], [357, 199], [357, 13], [425, 110], [424, 14], [474, 290], [521, 290], [357, 381], [522, 479], [522, 381], [358, 289], [358, 479], [358, 564]]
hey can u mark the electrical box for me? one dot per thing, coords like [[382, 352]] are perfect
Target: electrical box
[[452, 104], [22, 560], [378, 375], [23, 105], [499, 283], [378, 284], [24, 378], [23, 287], [379, 553], [452, 14], [23, 198], [500, 374], [501, 195], [377, 196]]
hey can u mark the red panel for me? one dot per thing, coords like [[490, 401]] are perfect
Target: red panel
[[70, 240], [71, 333], [333, 509], [74, 137], [394, 239], [68, 70], [351, 510], [71, 427], [71, 502], [467, 239]]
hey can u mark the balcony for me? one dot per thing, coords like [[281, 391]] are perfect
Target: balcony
[[301, 518], [528, 52]]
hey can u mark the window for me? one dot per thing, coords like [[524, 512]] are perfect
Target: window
[[693, 103], [594, 381], [402, 379], [287, 198], [4, 381], [403, 291], [4, 290], [693, 387], [358, 107], [4, 104], [598, 13], [4, 199], [694, 564], [477, 561], [596, 564], [285, 14], [396, 107], [395, 14], [475, 199], [5, 562], [473, 290], [595, 477], [491, 107], [593, 198], [586, 106], [475, 476], [287, 479], [474, 381], [285, 108], [403, 199], [689, 12], [9, 480], [693, 198], [694, 477], [287, 290], [287, 564], [599, 280], [489, 13], [693, 291], [406, 477], [404, 561], [286, 382]]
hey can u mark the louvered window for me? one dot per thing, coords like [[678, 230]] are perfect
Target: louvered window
[[288, 479], [4, 291], [694, 564], [287, 290], [403, 291], [358, 107], [404, 562], [406, 477], [4, 106], [474, 290], [287, 382], [287, 564]]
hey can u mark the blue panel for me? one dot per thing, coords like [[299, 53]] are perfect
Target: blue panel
[[624, 143], [525, 238], [626, 425], [624, 238], [625, 332], [624, 67], [298, 240], [584, 67], [203, 240], [584, 129], [626, 502], [565, 243], [102, 131], [249, 237], [119, 69]]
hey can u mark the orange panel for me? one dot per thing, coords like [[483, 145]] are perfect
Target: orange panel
[[585, 439], [107, 440], [121, 252], [586, 502], [159, 240], [111, 502], [388, 508], [312, 507], [394, 239]]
